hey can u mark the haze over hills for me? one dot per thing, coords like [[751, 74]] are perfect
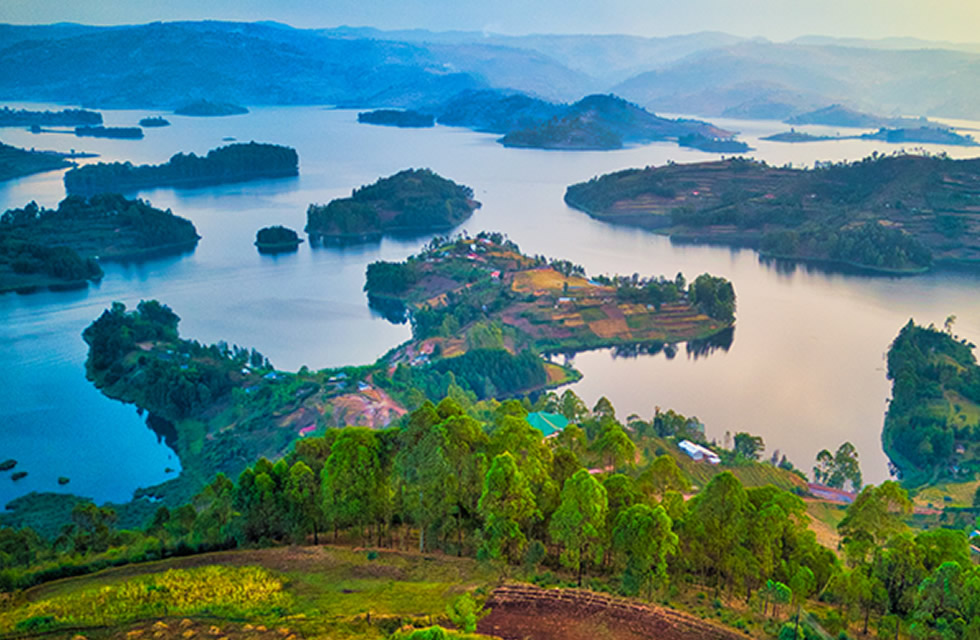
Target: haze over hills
[[706, 74]]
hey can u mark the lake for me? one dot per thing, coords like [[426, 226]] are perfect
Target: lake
[[805, 369]]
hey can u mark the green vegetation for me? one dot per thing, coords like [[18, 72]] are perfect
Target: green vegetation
[[58, 247], [931, 429], [129, 133], [397, 118], [712, 145], [154, 121], [276, 239], [206, 108], [410, 200], [900, 213], [15, 162], [232, 163], [64, 118], [608, 122]]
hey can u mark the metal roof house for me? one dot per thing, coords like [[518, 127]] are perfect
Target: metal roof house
[[699, 453]]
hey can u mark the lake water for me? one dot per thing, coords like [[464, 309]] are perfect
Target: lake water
[[805, 369]]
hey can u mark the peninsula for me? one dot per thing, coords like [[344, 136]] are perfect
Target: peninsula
[[397, 118], [413, 200], [125, 133], [206, 108], [16, 162], [59, 248], [918, 135], [895, 214], [933, 417], [233, 163]]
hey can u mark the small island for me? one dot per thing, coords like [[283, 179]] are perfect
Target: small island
[[154, 121], [713, 145], [277, 239], [16, 162], [59, 248], [605, 122], [931, 426], [232, 163], [800, 136], [64, 118], [8, 464], [397, 118], [920, 135], [413, 200], [888, 214], [124, 133], [206, 108], [18, 475]]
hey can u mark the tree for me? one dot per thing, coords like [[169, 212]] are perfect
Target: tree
[[304, 501], [464, 612], [355, 483], [748, 446], [802, 586], [644, 537], [579, 522], [716, 526], [615, 445], [777, 593], [873, 517], [663, 475], [507, 506]]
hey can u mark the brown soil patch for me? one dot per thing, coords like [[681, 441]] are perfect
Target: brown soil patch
[[525, 611]]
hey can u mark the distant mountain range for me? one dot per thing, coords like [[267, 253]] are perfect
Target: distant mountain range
[[708, 74]]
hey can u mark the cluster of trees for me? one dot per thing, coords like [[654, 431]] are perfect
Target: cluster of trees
[[655, 291], [397, 118], [64, 118], [566, 132], [276, 237], [868, 245], [62, 263], [99, 131], [714, 296], [232, 163], [412, 199], [837, 469], [925, 363]]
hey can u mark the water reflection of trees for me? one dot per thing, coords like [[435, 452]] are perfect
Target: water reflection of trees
[[163, 428], [700, 348], [392, 310]]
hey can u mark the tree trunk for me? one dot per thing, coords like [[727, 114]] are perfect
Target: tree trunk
[[459, 528], [580, 571], [316, 540], [867, 615], [796, 629]]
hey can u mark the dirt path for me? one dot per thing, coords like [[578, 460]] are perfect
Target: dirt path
[[523, 611]]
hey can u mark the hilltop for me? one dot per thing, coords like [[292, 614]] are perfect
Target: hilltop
[[900, 213]]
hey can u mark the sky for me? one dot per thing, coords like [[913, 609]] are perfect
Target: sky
[[779, 20]]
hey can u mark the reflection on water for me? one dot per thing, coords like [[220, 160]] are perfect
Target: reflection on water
[[808, 372]]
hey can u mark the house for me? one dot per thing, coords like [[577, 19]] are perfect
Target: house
[[548, 424], [699, 453]]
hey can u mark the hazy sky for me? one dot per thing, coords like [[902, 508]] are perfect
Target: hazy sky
[[953, 20]]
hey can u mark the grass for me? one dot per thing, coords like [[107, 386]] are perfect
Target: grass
[[960, 494]]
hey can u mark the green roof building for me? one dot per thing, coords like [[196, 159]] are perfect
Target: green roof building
[[547, 423]]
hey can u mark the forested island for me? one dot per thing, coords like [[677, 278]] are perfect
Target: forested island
[[277, 239], [412, 200], [64, 118], [125, 133], [154, 121], [16, 162], [397, 118], [233, 163], [206, 108], [918, 135], [712, 145], [600, 122], [58, 248], [837, 115], [897, 214], [932, 429]]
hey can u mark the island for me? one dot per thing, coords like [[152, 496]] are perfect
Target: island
[[232, 163], [16, 162], [154, 121], [413, 200], [397, 118], [602, 122], [890, 214], [837, 115], [933, 418], [60, 248], [920, 135], [206, 108], [125, 133], [8, 464], [64, 118], [713, 145], [277, 239]]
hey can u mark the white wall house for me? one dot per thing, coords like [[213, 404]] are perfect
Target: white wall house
[[699, 453]]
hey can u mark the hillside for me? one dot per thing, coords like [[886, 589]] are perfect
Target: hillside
[[837, 115], [16, 162], [888, 213]]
